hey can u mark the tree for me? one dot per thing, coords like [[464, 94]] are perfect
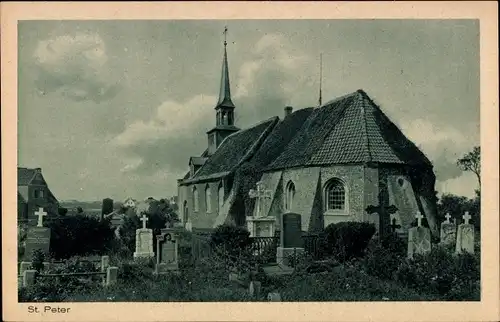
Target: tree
[[107, 206], [472, 162], [456, 206]]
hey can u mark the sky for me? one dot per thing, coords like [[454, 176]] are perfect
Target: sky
[[116, 108]]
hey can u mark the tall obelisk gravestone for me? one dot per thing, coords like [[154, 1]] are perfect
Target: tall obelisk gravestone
[[144, 241], [37, 237], [465, 236]]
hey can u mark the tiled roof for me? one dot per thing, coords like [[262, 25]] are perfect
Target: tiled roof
[[350, 129], [234, 149], [24, 176]]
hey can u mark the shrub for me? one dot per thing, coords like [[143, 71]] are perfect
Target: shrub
[[233, 239], [80, 235], [453, 277], [347, 240], [37, 260]]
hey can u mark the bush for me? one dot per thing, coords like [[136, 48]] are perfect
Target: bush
[[453, 277], [37, 260], [233, 239], [347, 240], [80, 235]]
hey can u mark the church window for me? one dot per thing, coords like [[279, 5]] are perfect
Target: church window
[[196, 199], [208, 198], [220, 196], [335, 196], [186, 211], [290, 194], [38, 193]]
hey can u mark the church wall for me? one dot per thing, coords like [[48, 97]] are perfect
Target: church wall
[[200, 218], [305, 181], [371, 179], [353, 177]]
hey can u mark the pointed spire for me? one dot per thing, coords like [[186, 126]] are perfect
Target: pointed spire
[[225, 91]]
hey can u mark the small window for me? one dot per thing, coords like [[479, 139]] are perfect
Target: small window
[[208, 198], [220, 197], [289, 195], [38, 193], [335, 197], [196, 199]]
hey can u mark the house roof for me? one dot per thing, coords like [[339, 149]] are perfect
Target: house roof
[[234, 150], [350, 129], [25, 175]]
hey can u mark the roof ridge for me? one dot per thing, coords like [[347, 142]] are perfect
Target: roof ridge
[[364, 126]]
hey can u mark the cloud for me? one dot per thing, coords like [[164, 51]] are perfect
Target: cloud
[[77, 66], [266, 82], [442, 145]]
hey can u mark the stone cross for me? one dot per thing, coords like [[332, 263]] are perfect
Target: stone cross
[[466, 217], [260, 195], [383, 212], [144, 219], [448, 218], [40, 213], [394, 226], [419, 218]]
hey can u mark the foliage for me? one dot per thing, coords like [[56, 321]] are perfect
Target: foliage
[[37, 259], [456, 206], [107, 206], [21, 238], [346, 240], [442, 273], [472, 162], [80, 235], [62, 211], [233, 239], [381, 262], [127, 231]]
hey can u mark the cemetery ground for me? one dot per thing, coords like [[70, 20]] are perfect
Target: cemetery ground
[[226, 268]]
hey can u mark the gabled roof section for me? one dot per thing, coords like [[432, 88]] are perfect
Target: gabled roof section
[[350, 129], [197, 160], [235, 149], [25, 175]]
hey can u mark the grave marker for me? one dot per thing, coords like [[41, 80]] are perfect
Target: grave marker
[[37, 237], [259, 225], [144, 241], [465, 236], [384, 211], [419, 238], [291, 242], [167, 251], [448, 231]]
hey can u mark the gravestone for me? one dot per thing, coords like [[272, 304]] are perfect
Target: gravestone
[[167, 251], [189, 225], [144, 241], [254, 288], [259, 225], [274, 297], [465, 236], [448, 231], [419, 238], [290, 238], [37, 237]]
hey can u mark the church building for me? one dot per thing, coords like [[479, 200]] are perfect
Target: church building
[[329, 164]]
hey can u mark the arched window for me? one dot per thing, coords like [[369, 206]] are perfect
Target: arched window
[[335, 196], [208, 198], [185, 211], [220, 196], [289, 195], [196, 199]]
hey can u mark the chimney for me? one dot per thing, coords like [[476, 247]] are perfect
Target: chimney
[[288, 110]]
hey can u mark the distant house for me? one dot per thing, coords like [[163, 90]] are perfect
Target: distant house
[[129, 203], [32, 193]]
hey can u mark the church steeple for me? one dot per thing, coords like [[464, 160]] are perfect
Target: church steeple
[[225, 89], [224, 121]]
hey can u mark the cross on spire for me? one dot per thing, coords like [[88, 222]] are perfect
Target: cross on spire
[[419, 218], [320, 100], [260, 195], [40, 213], [144, 219], [225, 35], [466, 217], [447, 218]]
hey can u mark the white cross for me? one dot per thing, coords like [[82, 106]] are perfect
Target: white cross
[[448, 218], [419, 218], [144, 219], [40, 213], [260, 194], [466, 217]]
